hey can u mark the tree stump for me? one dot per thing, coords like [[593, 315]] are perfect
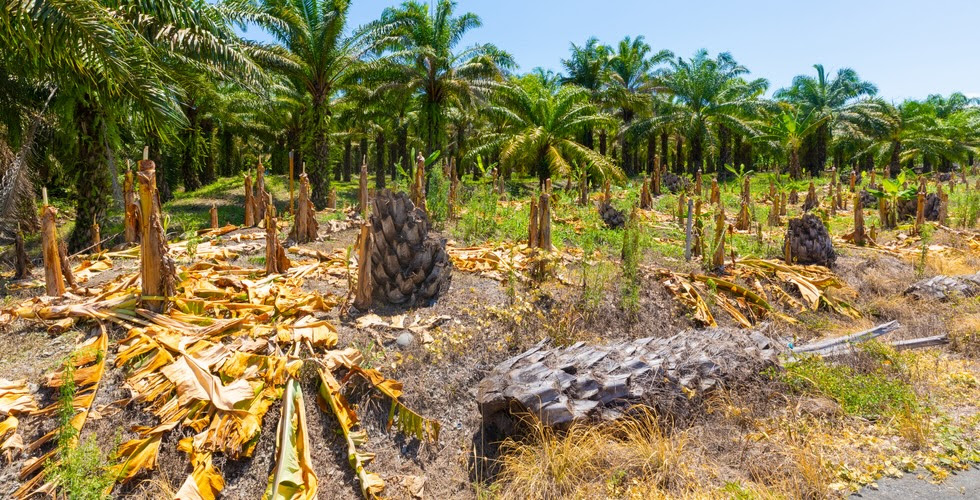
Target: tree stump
[[809, 242], [96, 238], [544, 216], [332, 199], [408, 264], [533, 233], [418, 185], [646, 201], [214, 216], [363, 294], [697, 184], [291, 205], [54, 283], [249, 202], [715, 192], [131, 221], [65, 265], [305, 226], [718, 257], [276, 261], [859, 237], [655, 181], [811, 201], [362, 191], [261, 197], [158, 274]]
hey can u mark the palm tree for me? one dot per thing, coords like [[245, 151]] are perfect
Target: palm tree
[[629, 87], [588, 68], [838, 99], [542, 128], [322, 61], [423, 47], [788, 130], [702, 97]]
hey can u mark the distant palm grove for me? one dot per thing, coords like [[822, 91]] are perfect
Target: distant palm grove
[[85, 85]]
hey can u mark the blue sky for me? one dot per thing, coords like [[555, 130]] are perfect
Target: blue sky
[[908, 48]]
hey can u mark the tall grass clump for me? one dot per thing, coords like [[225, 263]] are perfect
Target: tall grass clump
[[437, 196], [479, 221]]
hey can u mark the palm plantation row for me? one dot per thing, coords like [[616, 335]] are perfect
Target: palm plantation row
[[86, 84]]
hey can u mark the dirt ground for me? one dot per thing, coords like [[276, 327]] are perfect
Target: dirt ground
[[439, 376]]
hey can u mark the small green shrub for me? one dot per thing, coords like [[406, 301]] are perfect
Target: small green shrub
[[479, 222], [437, 197]]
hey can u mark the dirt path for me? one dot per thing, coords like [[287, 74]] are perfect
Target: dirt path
[[965, 484]]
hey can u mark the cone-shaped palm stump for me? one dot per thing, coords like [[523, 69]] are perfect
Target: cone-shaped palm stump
[[131, 221], [249, 202], [276, 261], [54, 283], [808, 242], [305, 226], [408, 265]]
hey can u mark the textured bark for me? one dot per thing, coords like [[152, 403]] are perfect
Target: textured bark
[[718, 257], [646, 200], [276, 261], [362, 191], [614, 219], [715, 192], [54, 283], [408, 265], [249, 202], [96, 238], [583, 382], [811, 201], [533, 233], [859, 236], [214, 216], [305, 226], [363, 294], [418, 183], [131, 220], [65, 265], [809, 242], [920, 211], [158, 273], [743, 221], [261, 197]]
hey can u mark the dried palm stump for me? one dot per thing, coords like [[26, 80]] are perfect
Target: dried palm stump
[[276, 261], [808, 242], [305, 226], [54, 282], [614, 219], [408, 265], [158, 273]]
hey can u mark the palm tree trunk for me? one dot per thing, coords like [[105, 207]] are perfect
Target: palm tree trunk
[[651, 152], [191, 157], [209, 174], [926, 163], [678, 154], [893, 162], [664, 138], [587, 139], [724, 147], [403, 148], [92, 184], [602, 142], [347, 160], [794, 163], [379, 160], [696, 152]]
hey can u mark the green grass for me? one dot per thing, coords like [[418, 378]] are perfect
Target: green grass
[[879, 391]]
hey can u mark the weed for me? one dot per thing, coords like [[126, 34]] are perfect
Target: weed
[[870, 395], [81, 471], [479, 220], [437, 197], [630, 288]]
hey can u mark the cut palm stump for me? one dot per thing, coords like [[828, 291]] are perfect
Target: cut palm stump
[[808, 242], [54, 282], [23, 264], [131, 220], [158, 275], [214, 216], [305, 226], [249, 202], [614, 219], [584, 382], [408, 265], [261, 197], [276, 261]]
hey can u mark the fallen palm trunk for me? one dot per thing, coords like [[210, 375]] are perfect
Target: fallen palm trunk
[[563, 385], [825, 347]]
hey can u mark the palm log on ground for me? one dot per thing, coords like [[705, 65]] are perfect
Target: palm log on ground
[[585, 382]]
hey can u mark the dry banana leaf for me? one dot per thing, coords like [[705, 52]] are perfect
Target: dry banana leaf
[[15, 398], [293, 477], [371, 484]]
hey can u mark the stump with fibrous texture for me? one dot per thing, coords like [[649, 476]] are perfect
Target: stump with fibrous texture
[[249, 202], [418, 184], [276, 261], [131, 220], [65, 264], [544, 218], [646, 200], [533, 233], [808, 242], [811, 201], [408, 265], [743, 220], [22, 263], [675, 183], [364, 199], [305, 226], [214, 216], [908, 209], [943, 205], [794, 196], [158, 273], [54, 282], [363, 295], [718, 256], [614, 219], [261, 197], [715, 193], [859, 237], [698, 186], [655, 180]]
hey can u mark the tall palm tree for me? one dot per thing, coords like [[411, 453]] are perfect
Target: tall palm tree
[[630, 72], [542, 128], [423, 46], [787, 131], [322, 59], [838, 99], [701, 95], [588, 68]]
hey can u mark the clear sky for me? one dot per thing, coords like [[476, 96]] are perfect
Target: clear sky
[[908, 48]]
